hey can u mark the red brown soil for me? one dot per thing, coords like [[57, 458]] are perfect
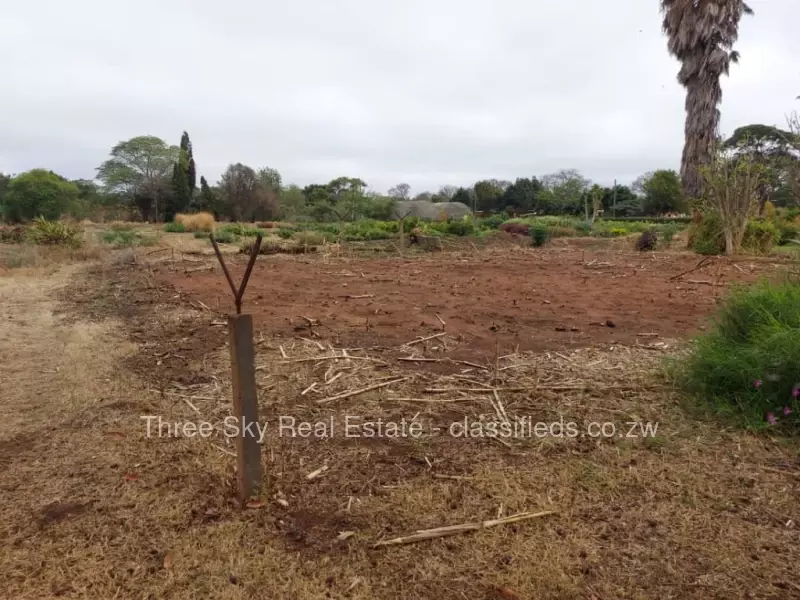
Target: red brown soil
[[540, 300]]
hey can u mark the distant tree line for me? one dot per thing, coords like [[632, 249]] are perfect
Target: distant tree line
[[155, 181]]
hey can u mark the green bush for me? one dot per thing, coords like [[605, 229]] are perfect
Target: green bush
[[460, 228], [668, 232], [175, 227], [225, 236], [492, 221], [760, 236], [539, 234], [706, 237], [55, 233], [789, 230], [201, 235], [748, 364], [583, 227], [619, 232], [285, 233]]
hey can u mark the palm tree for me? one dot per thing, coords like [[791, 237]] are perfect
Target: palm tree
[[701, 34]]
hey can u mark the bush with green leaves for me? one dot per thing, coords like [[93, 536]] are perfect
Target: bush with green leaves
[[175, 227], [492, 221], [540, 233], [201, 235], [38, 193], [224, 236], [55, 233], [285, 234], [748, 364], [668, 232], [461, 227], [789, 230]]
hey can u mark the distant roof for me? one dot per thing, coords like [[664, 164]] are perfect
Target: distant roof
[[430, 211]]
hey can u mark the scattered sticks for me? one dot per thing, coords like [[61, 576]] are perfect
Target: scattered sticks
[[369, 388], [440, 532]]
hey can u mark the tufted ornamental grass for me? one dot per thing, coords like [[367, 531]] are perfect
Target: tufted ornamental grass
[[747, 366]]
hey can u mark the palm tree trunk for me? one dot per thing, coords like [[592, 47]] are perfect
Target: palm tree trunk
[[702, 118]]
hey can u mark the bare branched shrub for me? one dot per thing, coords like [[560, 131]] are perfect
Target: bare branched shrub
[[731, 186]]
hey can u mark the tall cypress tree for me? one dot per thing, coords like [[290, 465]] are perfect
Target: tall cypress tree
[[183, 180], [191, 171]]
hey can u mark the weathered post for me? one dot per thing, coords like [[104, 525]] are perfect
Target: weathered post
[[245, 405], [245, 393]]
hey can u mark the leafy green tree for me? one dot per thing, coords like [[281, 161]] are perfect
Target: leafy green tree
[[209, 199], [426, 197], [662, 192], [139, 171], [488, 194], [183, 181], [191, 168], [521, 195], [269, 186], [562, 193], [464, 196], [38, 192], [4, 179], [620, 201], [292, 202], [240, 189], [773, 150], [382, 208]]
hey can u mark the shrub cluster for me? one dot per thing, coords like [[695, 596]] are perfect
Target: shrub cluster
[[748, 364]]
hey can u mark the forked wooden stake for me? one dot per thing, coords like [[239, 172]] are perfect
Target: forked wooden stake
[[245, 395]]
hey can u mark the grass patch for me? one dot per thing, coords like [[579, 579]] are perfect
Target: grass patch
[[125, 238], [748, 365], [175, 227]]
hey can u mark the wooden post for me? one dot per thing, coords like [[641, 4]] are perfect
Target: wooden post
[[245, 406]]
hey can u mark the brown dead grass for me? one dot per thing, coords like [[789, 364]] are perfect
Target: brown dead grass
[[202, 221], [92, 508]]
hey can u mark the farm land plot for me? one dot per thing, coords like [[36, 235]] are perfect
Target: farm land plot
[[533, 300], [697, 511]]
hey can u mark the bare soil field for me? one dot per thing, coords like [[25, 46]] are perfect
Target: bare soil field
[[531, 299], [91, 507]]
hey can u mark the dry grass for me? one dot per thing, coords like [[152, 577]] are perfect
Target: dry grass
[[91, 507], [202, 221]]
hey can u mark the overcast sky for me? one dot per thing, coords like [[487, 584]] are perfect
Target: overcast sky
[[427, 92]]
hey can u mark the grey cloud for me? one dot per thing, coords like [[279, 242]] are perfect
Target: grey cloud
[[432, 93]]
